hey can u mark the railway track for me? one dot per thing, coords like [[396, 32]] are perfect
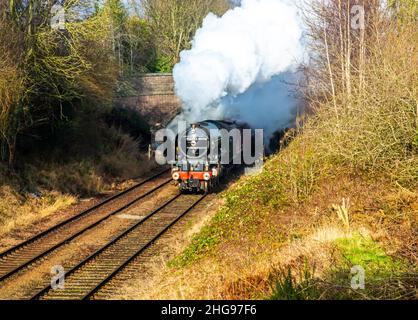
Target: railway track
[[34, 249], [85, 279]]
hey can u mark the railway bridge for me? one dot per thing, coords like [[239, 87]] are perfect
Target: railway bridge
[[155, 99]]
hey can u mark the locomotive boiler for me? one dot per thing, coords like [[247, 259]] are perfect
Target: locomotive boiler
[[205, 152]]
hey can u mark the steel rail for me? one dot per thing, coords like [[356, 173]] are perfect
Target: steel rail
[[83, 230], [107, 245], [43, 233], [79, 267], [139, 251]]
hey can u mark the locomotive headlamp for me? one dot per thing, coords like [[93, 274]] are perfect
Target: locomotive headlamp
[[206, 176], [176, 176]]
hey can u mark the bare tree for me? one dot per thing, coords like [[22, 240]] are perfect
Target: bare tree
[[338, 45], [174, 23]]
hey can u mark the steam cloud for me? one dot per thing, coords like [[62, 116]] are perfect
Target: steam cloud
[[240, 66]]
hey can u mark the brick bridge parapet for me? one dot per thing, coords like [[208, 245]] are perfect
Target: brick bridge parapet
[[155, 99]]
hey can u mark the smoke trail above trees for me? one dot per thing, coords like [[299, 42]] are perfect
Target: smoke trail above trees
[[240, 64]]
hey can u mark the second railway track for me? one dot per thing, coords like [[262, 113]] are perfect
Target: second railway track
[[30, 251], [87, 278]]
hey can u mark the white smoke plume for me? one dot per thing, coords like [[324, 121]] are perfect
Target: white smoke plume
[[240, 64], [235, 3]]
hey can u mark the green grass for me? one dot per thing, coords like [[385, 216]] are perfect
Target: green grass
[[384, 275], [367, 253]]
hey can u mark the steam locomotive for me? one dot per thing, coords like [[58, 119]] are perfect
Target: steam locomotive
[[201, 155]]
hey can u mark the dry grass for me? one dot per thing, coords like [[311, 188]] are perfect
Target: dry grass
[[235, 276], [44, 188], [115, 158], [17, 211]]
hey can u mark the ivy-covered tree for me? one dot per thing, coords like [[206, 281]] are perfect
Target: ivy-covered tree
[[174, 24], [56, 69]]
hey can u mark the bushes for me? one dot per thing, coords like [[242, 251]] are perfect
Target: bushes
[[46, 184], [375, 130], [363, 92], [54, 72], [88, 167], [11, 88], [56, 88], [130, 121], [124, 161]]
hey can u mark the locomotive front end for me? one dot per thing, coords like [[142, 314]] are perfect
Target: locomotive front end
[[195, 170]]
